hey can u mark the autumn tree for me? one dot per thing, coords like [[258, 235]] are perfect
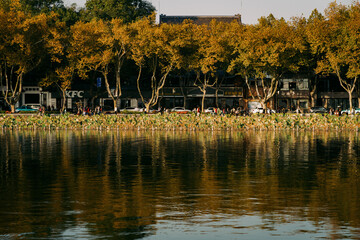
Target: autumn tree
[[91, 50], [264, 52], [62, 78], [340, 35], [312, 30], [25, 41], [188, 44], [154, 49], [62, 72], [101, 46], [211, 55], [121, 35]]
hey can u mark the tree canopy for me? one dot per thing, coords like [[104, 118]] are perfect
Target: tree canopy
[[24, 43], [338, 36], [127, 10], [108, 34]]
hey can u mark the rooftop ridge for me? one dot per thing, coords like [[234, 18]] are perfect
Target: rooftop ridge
[[199, 16]]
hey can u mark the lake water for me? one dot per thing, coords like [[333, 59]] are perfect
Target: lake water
[[178, 185]]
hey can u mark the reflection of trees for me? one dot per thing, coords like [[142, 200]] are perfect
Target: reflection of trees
[[124, 181]]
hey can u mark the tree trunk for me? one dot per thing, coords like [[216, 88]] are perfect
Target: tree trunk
[[263, 103], [63, 101], [313, 89], [109, 90], [147, 106], [203, 101], [118, 82], [350, 102], [313, 98], [115, 105], [15, 93]]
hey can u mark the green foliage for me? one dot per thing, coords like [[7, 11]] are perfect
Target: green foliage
[[127, 10], [39, 6]]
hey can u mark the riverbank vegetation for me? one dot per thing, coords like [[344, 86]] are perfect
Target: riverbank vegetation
[[54, 46], [185, 122]]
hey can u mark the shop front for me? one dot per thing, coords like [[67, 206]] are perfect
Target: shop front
[[75, 99], [292, 100], [191, 97], [336, 100], [35, 96]]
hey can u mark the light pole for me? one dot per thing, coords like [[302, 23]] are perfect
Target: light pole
[[173, 91]]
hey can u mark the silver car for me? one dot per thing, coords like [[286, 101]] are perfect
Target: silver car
[[318, 110]]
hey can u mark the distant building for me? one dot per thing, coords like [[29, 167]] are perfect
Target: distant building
[[199, 20]]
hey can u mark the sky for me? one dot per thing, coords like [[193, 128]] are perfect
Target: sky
[[250, 10]]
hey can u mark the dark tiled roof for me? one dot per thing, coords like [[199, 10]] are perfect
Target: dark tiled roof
[[199, 20]]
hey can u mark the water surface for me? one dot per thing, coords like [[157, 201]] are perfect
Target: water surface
[[177, 185]]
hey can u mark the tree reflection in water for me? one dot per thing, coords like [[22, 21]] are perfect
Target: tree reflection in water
[[132, 184]]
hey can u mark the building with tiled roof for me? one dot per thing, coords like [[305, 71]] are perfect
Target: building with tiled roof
[[199, 20]]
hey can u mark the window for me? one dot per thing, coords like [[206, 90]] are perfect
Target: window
[[292, 85], [281, 85], [32, 98], [304, 104]]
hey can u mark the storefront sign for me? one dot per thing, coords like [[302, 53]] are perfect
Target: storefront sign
[[73, 94], [233, 92], [294, 94]]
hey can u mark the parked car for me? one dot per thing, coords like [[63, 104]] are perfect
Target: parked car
[[347, 111], [261, 110], [35, 106], [143, 109], [132, 109], [318, 110], [180, 110], [256, 110], [153, 111], [210, 110], [25, 108]]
